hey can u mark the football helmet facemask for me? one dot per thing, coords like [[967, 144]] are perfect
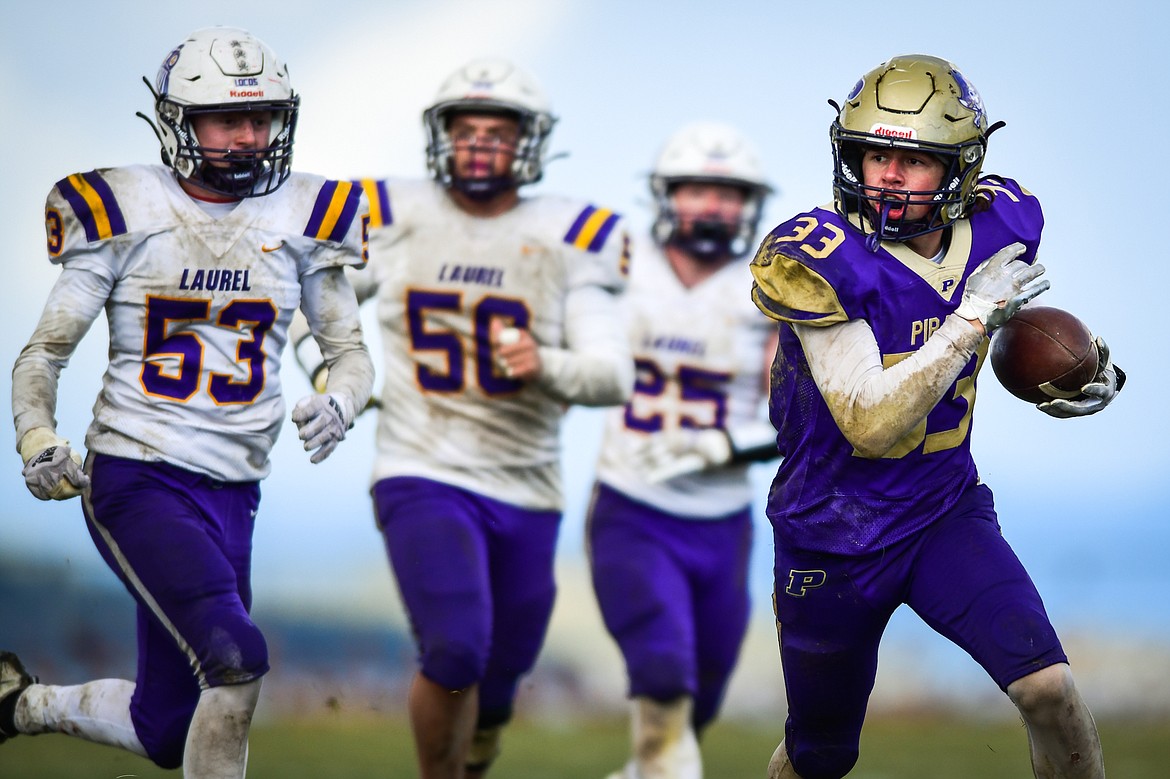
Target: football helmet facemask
[[225, 69], [489, 86], [712, 153], [910, 102]]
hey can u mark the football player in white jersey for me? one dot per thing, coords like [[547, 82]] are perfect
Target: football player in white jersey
[[199, 265], [497, 310], [670, 523]]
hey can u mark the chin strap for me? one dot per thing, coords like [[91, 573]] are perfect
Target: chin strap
[[874, 239]]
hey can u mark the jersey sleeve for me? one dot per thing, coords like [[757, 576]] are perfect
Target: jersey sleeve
[[598, 242], [83, 216], [339, 222], [786, 285]]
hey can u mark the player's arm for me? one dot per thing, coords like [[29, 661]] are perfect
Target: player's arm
[[875, 407], [331, 313], [306, 349], [679, 451], [52, 470], [755, 441], [595, 368]]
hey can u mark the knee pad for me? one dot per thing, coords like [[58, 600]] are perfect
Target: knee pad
[[164, 738], [662, 677], [452, 665], [824, 762], [236, 653]]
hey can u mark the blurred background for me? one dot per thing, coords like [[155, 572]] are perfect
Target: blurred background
[[1084, 502]]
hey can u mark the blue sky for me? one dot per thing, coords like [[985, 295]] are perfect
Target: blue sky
[[1080, 85]]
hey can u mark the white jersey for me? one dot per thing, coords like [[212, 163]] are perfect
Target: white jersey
[[699, 356], [441, 276], [198, 308]]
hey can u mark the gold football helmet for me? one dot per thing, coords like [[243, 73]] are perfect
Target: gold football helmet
[[910, 102]]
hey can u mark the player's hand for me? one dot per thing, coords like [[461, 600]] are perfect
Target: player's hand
[[674, 453], [999, 287], [1095, 395], [321, 423], [52, 470], [515, 352]]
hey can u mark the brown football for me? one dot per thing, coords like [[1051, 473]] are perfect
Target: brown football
[[1043, 353]]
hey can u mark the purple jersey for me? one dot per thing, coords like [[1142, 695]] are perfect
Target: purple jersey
[[815, 270]]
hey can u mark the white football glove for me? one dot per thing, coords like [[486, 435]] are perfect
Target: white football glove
[[52, 470], [999, 287], [321, 423], [1095, 395], [678, 452]]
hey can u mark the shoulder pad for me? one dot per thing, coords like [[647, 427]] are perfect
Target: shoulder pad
[[786, 288]]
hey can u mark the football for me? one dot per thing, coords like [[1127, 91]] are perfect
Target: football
[[1043, 353]]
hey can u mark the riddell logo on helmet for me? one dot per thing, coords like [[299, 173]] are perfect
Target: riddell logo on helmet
[[893, 131], [245, 93]]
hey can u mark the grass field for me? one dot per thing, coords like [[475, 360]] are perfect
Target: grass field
[[926, 747]]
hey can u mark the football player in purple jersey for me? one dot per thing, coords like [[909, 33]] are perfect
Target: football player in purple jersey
[[199, 265], [888, 300], [670, 523]]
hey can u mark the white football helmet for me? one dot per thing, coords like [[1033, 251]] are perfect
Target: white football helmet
[[714, 153], [225, 69], [490, 86]]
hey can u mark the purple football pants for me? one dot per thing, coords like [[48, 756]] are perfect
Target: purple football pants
[[181, 543], [958, 574], [673, 594], [476, 577]]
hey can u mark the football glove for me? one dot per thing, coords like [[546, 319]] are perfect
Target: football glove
[[1095, 395], [999, 287], [322, 421], [52, 470], [686, 450]]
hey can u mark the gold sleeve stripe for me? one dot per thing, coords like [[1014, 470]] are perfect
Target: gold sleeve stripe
[[94, 204], [591, 228], [379, 197], [334, 211]]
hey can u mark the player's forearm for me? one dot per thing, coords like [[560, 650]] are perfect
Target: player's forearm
[[333, 323], [586, 379], [305, 349], [34, 393], [351, 372], [596, 369], [875, 407], [75, 301]]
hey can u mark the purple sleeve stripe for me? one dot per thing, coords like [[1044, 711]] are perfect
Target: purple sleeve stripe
[[348, 210], [575, 230], [333, 213], [94, 204], [603, 233], [320, 209]]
